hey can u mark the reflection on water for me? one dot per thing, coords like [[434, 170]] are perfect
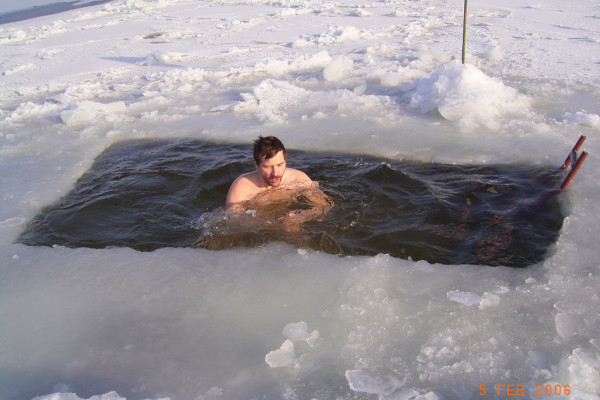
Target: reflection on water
[[151, 194]]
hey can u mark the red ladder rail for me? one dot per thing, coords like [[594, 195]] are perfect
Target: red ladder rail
[[571, 158], [574, 162]]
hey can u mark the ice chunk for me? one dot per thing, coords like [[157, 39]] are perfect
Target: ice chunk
[[428, 396], [316, 61], [569, 307], [494, 54], [87, 111], [161, 57], [402, 75], [29, 110], [19, 68], [282, 357], [270, 100], [360, 12], [313, 337], [296, 331], [466, 298], [360, 90], [502, 290], [73, 396], [464, 94], [584, 371], [364, 382], [583, 119], [489, 300], [565, 326], [339, 68]]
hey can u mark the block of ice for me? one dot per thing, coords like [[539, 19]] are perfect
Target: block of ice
[[282, 357], [339, 68], [582, 118], [489, 300], [466, 298], [569, 307], [365, 382], [464, 94], [296, 331], [565, 326], [313, 337], [583, 370], [87, 111], [73, 396]]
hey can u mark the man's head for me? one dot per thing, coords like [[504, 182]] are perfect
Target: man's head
[[270, 159], [267, 147]]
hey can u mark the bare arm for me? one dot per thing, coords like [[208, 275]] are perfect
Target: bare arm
[[249, 184], [240, 190], [320, 202]]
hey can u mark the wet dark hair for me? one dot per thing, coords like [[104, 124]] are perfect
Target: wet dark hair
[[267, 147]]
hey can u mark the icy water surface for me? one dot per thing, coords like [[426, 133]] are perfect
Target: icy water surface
[[159, 193]]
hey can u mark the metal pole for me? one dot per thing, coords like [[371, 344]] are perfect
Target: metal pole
[[464, 32]]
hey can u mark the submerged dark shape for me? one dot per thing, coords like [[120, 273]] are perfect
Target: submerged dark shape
[[150, 194]]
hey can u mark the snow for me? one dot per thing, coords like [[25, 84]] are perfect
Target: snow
[[378, 78], [464, 94]]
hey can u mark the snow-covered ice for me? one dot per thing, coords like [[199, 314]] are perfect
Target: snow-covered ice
[[378, 78]]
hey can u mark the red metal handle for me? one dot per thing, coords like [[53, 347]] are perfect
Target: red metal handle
[[572, 155], [572, 172]]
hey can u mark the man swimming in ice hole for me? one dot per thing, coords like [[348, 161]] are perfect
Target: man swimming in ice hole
[[274, 182]]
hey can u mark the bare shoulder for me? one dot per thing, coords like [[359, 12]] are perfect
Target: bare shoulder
[[296, 176], [242, 187], [249, 178]]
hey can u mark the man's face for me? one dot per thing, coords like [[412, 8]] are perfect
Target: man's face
[[271, 170]]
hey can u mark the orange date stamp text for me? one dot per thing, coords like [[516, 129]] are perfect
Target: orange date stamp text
[[513, 389]]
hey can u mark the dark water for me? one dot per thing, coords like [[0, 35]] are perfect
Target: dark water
[[151, 194]]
